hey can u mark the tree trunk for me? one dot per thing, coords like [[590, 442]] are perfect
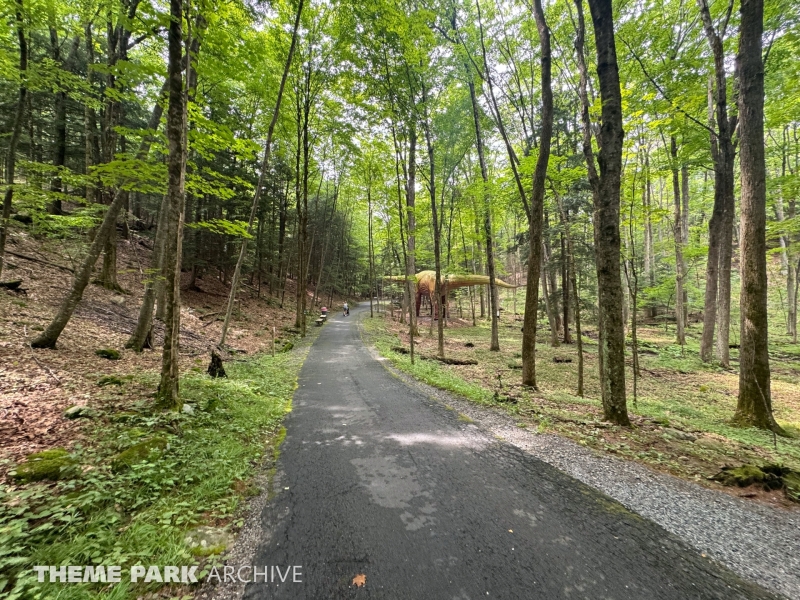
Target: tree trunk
[[168, 395], [755, 399], [19, 117], [261, 178], [50, 336], [438, 305], [537, 206], [720, 228], [607, 215], [494, 345], [677, 228], [411, 222], [574, 283]]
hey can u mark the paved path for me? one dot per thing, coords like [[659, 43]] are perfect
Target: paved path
[[377, 479]]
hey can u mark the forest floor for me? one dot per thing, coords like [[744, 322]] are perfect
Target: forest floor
[[125, 511], [681, 414]]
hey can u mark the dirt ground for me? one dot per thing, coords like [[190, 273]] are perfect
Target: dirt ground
[[37, 386]]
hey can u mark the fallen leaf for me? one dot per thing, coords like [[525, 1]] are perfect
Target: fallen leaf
[[360, 580]]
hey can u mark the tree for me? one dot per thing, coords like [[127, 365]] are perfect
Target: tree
[[606, 193], [537, 205], [755, 398], [264, 168], [168, 394], [16, 128]]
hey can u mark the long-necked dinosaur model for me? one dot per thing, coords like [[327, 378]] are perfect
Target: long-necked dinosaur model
[[426, 284]]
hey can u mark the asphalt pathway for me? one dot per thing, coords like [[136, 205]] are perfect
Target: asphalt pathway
[[379, 480]]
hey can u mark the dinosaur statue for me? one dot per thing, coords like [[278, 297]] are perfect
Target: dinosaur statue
[[426, 285]]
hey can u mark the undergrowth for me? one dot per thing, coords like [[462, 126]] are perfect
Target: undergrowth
[[140, 515]]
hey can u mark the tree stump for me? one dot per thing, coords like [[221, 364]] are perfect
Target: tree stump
[[215, 368]]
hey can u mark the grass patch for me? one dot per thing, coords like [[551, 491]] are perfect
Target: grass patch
[[676, 391], [139, 515]]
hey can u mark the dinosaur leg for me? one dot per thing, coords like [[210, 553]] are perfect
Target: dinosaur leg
[[419, 300]]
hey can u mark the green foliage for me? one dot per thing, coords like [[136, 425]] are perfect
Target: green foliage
[[142, 512]]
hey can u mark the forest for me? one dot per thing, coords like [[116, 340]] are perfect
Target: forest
[[620, 180]]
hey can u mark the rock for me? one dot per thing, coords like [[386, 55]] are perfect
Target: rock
[[711, 444], [23, 218], [81, 412], [680, 435], [109, 380], [188, 409], [50, 465], [124, 417], [792, 483], [205, 541], [108, 353], [743, 476], [118, 300], [287, 346], [148, 449]]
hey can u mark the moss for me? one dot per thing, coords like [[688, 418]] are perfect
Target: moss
[[50, 465], [208, 550], [792, 483], [138, 453], [108, 353], [110, 379], [287, 346]]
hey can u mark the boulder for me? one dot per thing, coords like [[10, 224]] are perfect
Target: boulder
[[205, 541], [146, 450], [81, 412], [50, 465]]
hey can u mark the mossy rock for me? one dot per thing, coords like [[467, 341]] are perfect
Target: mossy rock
[[137, 453], [124, 417], [792, 483], [50, 465], [747, 475], [206, 541], [110, 380], [108, 353], [81, 412], [287, 346]]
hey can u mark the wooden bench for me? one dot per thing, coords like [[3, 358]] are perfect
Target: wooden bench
[[320, 321]]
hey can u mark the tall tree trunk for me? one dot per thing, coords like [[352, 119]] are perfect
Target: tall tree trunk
[[606, 195], [537, 205], [677, 229], [755, 399], [720, 244], [261, 178], [16, 131], [168, 394], [411, 222], [574, 283], [487, 215], [564, 288], [438, 306], [49, 337]]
